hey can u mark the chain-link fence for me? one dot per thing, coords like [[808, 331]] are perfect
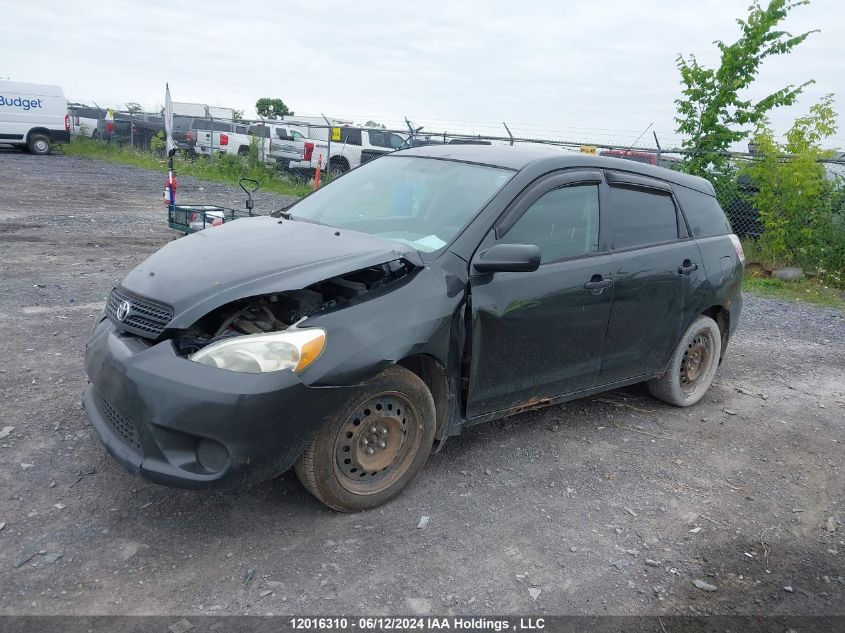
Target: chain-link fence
[[337, 145]]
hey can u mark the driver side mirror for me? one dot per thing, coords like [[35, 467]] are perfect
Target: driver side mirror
[[508, 258]]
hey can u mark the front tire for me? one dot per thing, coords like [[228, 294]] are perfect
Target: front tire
[[374, 447], [692, 367], [40, 144]]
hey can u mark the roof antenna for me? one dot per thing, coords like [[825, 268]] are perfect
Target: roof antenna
[[627, 151]]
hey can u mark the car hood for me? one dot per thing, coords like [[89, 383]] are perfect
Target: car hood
[[249, 257]]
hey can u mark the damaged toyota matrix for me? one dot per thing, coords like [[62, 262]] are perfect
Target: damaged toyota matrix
[[434, 288]]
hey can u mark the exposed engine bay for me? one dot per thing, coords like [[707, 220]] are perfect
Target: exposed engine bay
[[279, 311]]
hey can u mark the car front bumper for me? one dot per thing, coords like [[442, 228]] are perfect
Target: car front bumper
[[180, 423]]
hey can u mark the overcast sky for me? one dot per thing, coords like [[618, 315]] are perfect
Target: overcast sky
[[598, 71]]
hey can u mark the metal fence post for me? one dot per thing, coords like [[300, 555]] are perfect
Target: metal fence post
[[329, 137]]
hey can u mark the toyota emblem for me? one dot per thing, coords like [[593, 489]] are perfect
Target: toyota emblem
[[123, 310]]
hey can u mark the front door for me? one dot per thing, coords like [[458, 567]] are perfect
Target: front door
[[537, 335]]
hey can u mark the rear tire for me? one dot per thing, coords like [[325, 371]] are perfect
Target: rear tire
[[374, 447], [692, 366], [40, 144]]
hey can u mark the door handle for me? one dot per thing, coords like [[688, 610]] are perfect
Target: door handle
[[687, 267], [597, 284]]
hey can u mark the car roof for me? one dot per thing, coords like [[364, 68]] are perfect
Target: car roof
[[545, 157]]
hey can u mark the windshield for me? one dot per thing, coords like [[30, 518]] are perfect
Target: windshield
[[421, 202]]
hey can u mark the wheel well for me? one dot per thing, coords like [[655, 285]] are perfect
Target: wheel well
[[433, 375], [339, 160], [37, 130], [722, 318]]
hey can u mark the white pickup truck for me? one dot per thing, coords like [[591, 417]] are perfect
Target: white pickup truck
[[271, 137], [226, 138], [349, 148]]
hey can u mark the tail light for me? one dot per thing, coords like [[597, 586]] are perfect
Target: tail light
[[193, 218], [109, 127], [67, 123], [217, 222], [309, 151], [224, 139], [190, 136], [738, 248]]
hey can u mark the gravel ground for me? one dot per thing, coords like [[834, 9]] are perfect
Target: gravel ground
[[616, 504]]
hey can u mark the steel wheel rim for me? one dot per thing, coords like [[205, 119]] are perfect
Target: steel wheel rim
[[41, 145], [696, 361], [377, 443]]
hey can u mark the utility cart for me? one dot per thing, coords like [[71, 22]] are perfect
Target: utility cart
[[190, 218]]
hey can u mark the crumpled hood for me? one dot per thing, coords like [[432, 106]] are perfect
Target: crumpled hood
[[249, 257]]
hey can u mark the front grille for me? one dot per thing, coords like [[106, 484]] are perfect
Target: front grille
[[124, 427], [144, 317]]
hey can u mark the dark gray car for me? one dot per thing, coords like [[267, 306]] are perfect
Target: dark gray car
[[426, 291]]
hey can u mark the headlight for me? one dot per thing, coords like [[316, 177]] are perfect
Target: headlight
[[256, 353]]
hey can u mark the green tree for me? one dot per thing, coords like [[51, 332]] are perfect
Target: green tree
[[271, 108], [133, 108], [803, 222], [713, 113], [237, 115], [372, 123]]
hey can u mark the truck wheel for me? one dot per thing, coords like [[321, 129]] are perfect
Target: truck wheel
[[337, 168], [40, 144], [374, 447], [692, 367]]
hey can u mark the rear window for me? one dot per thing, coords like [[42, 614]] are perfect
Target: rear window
[[641, 218], [703, 213], [379, 138]]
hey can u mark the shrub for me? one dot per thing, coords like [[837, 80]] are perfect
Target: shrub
[[800, 208]]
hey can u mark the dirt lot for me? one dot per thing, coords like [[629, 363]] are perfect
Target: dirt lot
[[612, 505]]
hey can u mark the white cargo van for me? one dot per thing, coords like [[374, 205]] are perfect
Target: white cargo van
[[33, 116]]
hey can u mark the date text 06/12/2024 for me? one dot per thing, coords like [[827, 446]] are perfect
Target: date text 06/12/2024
[[415, 624]]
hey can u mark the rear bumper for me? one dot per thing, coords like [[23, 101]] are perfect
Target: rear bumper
[[59, 136], [735, 310], [180, 423]]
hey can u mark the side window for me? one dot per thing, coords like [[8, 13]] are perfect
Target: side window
[[296, 135], [703, 213], [641, 217], [350, 136], [562, 223]]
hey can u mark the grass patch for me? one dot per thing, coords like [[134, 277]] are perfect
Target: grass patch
[[804, 291], [223, 168]]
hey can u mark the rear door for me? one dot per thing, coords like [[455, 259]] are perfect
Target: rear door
[[657, 276], [539, 334]]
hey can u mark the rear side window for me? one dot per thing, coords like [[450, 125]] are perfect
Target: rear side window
[[704, 215], [563, 223], [640, 217], [350, 136]]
